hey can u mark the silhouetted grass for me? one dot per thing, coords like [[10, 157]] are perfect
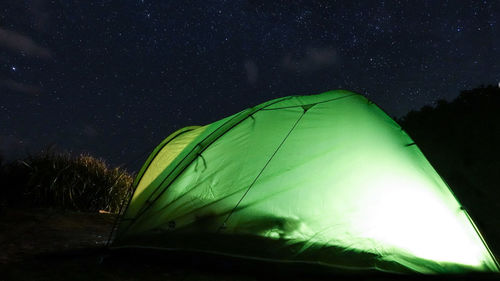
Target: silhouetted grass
[[62, 180]]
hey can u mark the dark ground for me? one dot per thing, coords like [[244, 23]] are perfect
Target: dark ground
[[47, 244]]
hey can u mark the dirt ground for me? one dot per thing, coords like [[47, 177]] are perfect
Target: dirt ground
[[48, 244], [27, 233]]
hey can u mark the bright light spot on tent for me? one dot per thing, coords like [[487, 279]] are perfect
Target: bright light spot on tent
[[408, 216]]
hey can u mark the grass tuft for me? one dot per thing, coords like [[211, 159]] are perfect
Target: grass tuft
[[61, 180]]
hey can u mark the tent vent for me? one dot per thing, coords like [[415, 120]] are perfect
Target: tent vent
[[306, 107]]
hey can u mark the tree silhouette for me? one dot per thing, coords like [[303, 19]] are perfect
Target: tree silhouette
[[461, 139]]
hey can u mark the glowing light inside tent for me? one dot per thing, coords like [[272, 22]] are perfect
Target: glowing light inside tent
[[409, 216]]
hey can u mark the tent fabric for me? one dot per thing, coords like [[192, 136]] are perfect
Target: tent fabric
[[327, 179]]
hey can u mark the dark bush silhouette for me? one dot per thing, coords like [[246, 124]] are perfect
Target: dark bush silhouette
[[56, 179], [461, 139]]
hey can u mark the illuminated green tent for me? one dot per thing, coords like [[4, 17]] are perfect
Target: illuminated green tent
[[325, 179]]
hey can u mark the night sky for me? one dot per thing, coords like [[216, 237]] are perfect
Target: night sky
[[113, 78]]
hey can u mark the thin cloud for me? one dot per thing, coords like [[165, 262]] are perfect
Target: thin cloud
[[90, 131], [252, 72], [314, 59], [19, 43], [20, 87]]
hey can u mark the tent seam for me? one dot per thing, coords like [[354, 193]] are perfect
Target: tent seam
[[261, 171], [293, 106]]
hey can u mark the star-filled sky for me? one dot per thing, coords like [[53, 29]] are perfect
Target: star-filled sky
[[113, 78]]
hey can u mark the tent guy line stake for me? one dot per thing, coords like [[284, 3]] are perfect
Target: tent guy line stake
[[118, 216]]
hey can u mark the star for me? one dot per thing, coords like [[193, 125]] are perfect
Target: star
[[13, 68]]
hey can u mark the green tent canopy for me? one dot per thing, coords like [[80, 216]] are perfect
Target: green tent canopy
[[324, 179]]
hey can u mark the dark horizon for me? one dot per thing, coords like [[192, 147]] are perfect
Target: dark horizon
[[115, 78]]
